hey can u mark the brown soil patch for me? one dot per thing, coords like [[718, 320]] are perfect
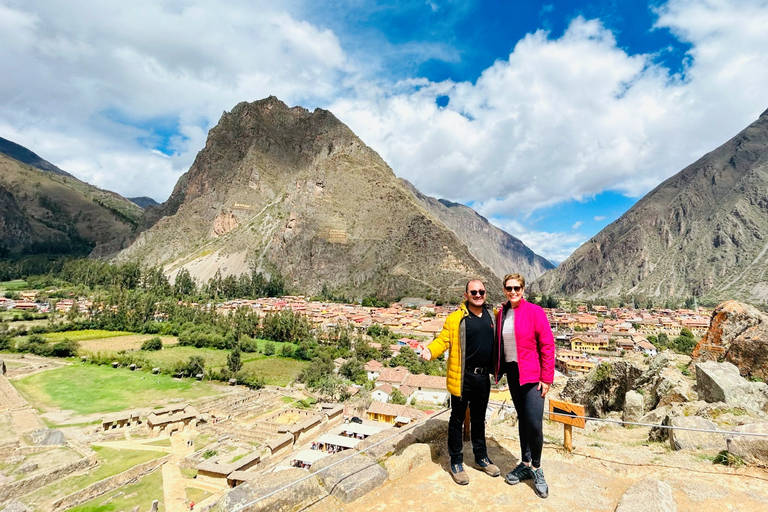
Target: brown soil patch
[[118, 343]]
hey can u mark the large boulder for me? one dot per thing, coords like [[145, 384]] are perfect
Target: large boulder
[[694, 439], [251, 495], [412, 457], [633, 406], [664, 382], [738, 333], [349, 478], [753, 449], [649, 495], [722, 382], [604, 389]]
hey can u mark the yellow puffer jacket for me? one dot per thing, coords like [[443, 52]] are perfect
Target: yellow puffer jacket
[[453, 337]]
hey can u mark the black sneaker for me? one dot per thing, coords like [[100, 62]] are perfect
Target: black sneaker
[[540, 486], [521, 472], [489, 467], [458, 474]]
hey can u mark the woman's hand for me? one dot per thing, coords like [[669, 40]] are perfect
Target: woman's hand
[[544, 387]]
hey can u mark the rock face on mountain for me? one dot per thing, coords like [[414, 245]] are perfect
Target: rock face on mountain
[[738, 334], [502, 252], [44, 211], [143, 201], [702, 232], [294, 192]]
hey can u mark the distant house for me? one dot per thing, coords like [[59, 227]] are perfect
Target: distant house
[[215, 470], [382, 393], [427, 388], [646, 347], [373, 369], [588, 344], [392, 376], [391, 413], [172, 419]]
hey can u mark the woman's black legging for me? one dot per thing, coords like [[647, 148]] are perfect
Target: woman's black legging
[[529, 405]]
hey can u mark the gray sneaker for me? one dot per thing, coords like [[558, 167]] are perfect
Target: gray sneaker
[[489, 467], [521, 472], [540, 486], [458, 474]]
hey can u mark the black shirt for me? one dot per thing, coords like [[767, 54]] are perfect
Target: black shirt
[[479, 331]]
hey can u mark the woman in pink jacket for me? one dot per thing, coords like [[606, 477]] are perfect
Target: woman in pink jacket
[[525, 351]]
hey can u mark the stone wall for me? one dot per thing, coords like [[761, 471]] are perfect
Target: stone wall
[[109, 484], [33, 483], [7, 450]]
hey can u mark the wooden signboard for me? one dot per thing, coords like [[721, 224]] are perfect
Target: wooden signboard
[[566, 413]]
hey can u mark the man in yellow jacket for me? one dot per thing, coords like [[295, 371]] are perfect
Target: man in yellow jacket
[[468, 335]]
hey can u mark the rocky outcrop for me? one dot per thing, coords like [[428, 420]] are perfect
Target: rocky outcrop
[[753, 449], [738, 334], [649, 495], [681, 439], [257, 495], [633, 406], [700, 233], [721, 382], [349, 478], [604, 389], [664, 384]]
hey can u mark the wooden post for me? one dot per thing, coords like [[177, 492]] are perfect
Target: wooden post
[[568, 437], [567, 413]]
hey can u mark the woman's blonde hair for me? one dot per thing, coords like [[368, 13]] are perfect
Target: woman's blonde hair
[[516, 277]]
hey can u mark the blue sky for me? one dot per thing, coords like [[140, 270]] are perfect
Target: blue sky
[[549, 118]]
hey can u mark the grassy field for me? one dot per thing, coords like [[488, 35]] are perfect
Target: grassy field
[[87, 334], [89, 389], [111, 462], [13, 286], [277, 371], [127, 497]]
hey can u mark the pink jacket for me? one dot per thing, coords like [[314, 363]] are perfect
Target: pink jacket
[[535, 343]]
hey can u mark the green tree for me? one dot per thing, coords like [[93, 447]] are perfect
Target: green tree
[[397, 397], [269, 349], [234, 363], [195, 366]]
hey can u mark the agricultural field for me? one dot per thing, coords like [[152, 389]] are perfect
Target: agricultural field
[[127, 341], [88, 389], [87, 334]]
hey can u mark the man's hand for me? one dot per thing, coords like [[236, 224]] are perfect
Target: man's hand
[[426, 354], [544, 387]]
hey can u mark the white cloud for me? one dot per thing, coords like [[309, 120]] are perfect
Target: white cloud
[[556, 247], [577, 224], [87, 79]]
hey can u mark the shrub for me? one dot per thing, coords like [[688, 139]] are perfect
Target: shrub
[[269, 349], [152, 344], [65, 348]]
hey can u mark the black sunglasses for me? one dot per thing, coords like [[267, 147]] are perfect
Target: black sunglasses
[[513, 288], [477, 292]]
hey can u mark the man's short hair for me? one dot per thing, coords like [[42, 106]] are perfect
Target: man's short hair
[[466, 288], [520, 279]]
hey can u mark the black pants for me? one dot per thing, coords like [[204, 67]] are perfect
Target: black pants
[[476, 389], [529, 405]]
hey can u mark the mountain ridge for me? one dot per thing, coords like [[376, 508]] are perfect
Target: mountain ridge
[[698, 233]]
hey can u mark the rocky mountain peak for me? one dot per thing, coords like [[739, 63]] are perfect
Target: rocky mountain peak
[[297, 192], [700, 233]]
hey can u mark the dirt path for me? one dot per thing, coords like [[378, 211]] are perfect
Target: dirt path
[[174, 497]]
